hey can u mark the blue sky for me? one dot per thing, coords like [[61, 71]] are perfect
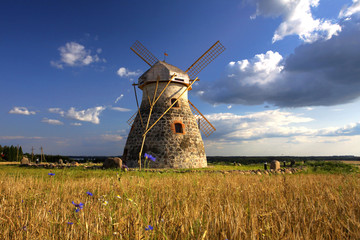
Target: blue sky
[[287, 84]]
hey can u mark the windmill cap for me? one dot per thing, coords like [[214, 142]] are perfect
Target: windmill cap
[[164, 71]]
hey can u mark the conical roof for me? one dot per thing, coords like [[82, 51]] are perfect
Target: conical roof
[[164, 71]]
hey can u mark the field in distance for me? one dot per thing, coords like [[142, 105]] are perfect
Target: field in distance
[[79, 203]]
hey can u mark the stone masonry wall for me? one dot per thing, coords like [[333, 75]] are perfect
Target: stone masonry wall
[[170, 149]]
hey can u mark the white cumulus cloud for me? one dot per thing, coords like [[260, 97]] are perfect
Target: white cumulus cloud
[[21, 110], [76, 124], [262, 69], [121, 109], [348, 11], [124, 72], [266, 124], [297, 19], [57, 110], [87, 115], [322, 73], [273, 124], [111, 137], [52, 121], [74, 54]]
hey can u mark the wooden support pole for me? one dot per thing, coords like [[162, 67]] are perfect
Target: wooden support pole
[[172, 78], [17, 153], [148, 121]]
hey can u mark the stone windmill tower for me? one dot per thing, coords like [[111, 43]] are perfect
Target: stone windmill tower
[[167, 125]]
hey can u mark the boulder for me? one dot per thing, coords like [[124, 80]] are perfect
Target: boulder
[[76, 164], [24, 161], [275, 165], [61, 161], [115, 162]]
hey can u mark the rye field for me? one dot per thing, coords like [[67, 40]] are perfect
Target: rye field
[[79, 203]]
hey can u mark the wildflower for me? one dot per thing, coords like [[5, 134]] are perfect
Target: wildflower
[[130, 200], [149, 228], [105, 203], [118, 196], [70, 223], [51, 174], [149, 156], [24, 228], [78, 206], [89, 193]]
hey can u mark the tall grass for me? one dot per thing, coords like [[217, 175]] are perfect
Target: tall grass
[[34, 205]]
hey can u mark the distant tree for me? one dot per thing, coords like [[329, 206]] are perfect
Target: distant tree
[[20, 153]]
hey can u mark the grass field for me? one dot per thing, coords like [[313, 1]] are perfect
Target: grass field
[[203, 205]]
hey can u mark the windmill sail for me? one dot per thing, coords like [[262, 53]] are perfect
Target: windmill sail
[[132, 119], [204, 125], [214, 51], [143, 53]]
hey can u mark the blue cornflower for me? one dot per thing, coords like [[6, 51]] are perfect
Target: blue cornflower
[[70, 223], [149, 228], [78, 206], [24, 228], [149, 156], [89, 193], [51, 174]]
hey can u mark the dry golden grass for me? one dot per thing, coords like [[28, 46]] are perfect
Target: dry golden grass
[[9, 163], [357, 163], [34, 205]]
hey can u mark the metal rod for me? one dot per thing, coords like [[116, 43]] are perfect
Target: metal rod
[[137, 103], [169, 108]]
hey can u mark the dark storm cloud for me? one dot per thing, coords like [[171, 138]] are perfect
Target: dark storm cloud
[[322, 73]]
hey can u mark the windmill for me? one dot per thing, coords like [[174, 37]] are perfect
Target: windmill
[[167, 125]]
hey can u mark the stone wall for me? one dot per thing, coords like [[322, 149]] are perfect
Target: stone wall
[[174, 150]]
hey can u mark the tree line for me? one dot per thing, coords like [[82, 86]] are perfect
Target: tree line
[[11, 153], [15, 154]]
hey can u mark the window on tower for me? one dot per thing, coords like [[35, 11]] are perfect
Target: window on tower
[[178, 127], [176, 105]]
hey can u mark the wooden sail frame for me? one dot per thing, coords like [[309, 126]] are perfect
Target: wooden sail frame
[[212, 53], [204, 125], [143, 53]]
